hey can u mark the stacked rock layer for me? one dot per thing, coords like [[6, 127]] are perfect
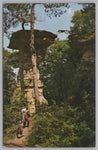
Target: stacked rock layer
[[20, 40]]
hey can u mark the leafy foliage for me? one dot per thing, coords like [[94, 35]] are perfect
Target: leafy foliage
[[8, 78], [79, 102], [56, 9], [59, 126], [13, 14], [12, 112], [84, 20], [55, 72], [83, 92], [14, 59]]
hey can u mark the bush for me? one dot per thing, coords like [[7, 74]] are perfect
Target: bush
[[12, 112], [59, 126]]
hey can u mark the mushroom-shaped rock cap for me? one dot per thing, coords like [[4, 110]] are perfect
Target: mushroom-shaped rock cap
[[20, 40]]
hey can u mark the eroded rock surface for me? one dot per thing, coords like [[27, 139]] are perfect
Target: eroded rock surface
[[20, 40]]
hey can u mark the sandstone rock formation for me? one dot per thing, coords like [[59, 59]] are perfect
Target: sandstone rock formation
[[20, 40], [85, 43]]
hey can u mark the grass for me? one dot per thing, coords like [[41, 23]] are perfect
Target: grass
[[9, 133]]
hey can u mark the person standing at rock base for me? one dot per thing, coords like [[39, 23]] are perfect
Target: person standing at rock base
[[25, 118]]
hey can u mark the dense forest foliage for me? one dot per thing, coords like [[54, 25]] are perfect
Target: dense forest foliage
[[69, 120], [69, 87]]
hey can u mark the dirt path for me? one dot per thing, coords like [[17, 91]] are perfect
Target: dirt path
[[19, 142]]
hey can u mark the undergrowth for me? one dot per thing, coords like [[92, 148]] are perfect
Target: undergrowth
[[60, 126]]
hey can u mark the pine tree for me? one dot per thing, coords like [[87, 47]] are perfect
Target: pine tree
[[33, 53]]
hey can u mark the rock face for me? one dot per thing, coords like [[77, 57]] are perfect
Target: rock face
[[20, 40], [84, 43], [25, 81]]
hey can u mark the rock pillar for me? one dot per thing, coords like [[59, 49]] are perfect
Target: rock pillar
[[20, 40], [25, 81]]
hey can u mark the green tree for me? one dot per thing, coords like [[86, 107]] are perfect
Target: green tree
[[84, 20], [13, 59], [83, 91], [13, 110], [57, 72], [8, 77], [13, 14]]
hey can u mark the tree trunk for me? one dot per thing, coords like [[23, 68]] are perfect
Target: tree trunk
[[33, 57]]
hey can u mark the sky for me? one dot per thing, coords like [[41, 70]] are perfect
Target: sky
[[45, 23]]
